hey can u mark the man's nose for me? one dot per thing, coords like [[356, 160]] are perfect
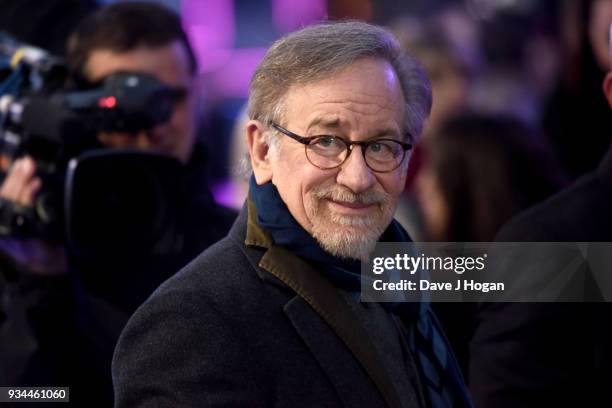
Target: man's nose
[[355, 174]]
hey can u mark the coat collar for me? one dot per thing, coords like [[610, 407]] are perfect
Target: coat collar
[[323, 298]]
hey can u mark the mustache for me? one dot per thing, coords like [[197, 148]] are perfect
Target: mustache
[[344, 195]]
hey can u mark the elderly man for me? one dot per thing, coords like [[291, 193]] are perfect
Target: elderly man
[[270, 315]]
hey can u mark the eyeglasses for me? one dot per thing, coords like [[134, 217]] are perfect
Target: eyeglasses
[[328, 152]]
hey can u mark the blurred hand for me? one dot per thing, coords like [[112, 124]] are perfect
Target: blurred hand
[[21, 183], [31, 255]]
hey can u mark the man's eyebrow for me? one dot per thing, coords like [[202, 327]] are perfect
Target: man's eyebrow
[[336, 123], [330, 123], [386, 132]]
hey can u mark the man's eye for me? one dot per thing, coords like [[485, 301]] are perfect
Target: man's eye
[[326, 141], [381, 148], [376, 147]]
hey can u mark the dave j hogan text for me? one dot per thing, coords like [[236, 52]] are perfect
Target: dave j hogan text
[[464, 285]]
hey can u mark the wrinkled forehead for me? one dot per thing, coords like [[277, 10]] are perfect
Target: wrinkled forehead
[[364, 94]]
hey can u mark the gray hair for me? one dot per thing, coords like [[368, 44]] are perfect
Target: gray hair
[[318, 51]]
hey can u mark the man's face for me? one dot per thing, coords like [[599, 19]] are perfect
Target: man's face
[[347, 208], [169, 64]]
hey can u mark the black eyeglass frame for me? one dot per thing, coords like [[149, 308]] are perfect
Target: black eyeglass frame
[[306, 141]]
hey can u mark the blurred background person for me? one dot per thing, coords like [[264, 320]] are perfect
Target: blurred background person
[[61, 314], [554, 353], [576, 116], [450, 62], [148, 38], [477, 172], [446, 43]]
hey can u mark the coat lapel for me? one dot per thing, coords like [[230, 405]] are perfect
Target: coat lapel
[[323, 298]]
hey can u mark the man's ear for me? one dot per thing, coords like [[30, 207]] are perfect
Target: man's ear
[[259, 151], [607, 88]]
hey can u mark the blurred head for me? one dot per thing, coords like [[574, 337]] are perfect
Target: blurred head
[[478, 172], [350, 81], [144, 38], [448, 71]]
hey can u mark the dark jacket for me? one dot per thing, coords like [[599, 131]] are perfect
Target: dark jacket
[[536, 354], [248, 323]]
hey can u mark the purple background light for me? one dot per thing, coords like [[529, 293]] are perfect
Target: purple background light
[[233, 80], [211, 28], [289, 15]]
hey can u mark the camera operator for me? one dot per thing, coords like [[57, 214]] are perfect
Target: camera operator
[[65, 333]]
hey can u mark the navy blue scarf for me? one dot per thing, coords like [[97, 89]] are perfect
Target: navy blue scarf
[[274, 216]]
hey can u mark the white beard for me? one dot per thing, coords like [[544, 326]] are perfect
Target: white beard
[[345, 236]]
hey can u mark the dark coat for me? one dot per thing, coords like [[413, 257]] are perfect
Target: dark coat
[[536, 354], [247, 323]]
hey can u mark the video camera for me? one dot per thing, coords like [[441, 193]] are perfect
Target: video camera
[[86, 200]]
